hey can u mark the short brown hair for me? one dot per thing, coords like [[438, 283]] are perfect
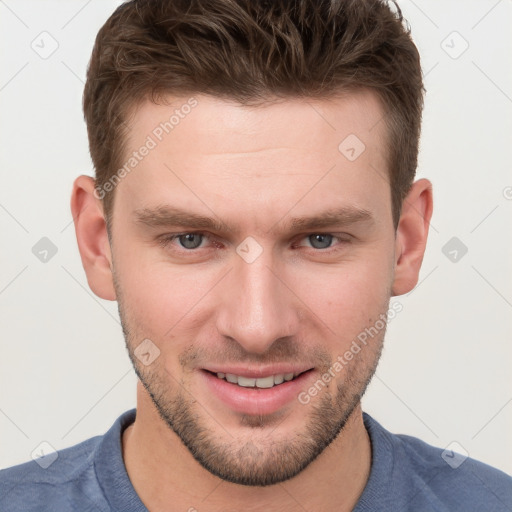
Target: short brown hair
[[250, 51]]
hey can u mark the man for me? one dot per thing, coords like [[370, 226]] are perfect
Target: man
[[253, 211]]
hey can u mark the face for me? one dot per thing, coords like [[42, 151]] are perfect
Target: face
[[248, 245]]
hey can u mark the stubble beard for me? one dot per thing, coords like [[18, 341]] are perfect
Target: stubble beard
[[259, 458]]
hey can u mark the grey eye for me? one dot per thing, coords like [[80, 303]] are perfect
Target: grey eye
[[320, 241], [190, 240]]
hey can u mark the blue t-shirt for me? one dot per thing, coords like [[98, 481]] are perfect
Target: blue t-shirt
[[406, 475]]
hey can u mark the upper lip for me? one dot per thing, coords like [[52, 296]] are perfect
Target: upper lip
[[259, 371]]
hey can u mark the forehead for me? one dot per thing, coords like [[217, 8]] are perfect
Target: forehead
[[210, 153], [271, 123]]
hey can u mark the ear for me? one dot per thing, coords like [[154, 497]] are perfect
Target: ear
[[92, 237], [411, 236]]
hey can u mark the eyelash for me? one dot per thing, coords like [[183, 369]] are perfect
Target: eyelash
[[166, 240]]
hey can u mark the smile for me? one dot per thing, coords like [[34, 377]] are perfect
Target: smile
[[262, 382], [265, 393]]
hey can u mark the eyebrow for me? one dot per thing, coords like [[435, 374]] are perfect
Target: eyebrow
[[170, 216], [334, 217], [165, 216]]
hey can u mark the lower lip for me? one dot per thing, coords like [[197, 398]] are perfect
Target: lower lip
[[256, 400]]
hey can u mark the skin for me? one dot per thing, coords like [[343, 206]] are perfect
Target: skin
[[252, 169]]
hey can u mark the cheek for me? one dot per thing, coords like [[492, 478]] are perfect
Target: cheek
[[347, 298], [160, 300]]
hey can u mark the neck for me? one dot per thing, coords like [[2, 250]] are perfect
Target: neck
[[167, 477]]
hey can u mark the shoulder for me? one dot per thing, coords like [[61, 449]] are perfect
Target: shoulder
[[446, 479], [49, 482], [69, 479], [454, 477]]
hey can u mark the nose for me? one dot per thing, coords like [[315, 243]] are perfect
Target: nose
[[257, 308]]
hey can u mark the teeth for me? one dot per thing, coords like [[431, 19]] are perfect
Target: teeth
[[263, 382], [246, 382]]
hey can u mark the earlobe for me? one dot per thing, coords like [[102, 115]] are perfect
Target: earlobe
[[411, 236], [92, 237]]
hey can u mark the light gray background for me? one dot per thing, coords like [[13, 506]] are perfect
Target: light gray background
[[445, 373]]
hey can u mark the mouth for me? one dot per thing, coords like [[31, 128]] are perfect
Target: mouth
[[257, 392], [267, 382]]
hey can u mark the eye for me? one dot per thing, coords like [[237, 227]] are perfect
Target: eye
[[320, 240], [325, 242], [188, 241]]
